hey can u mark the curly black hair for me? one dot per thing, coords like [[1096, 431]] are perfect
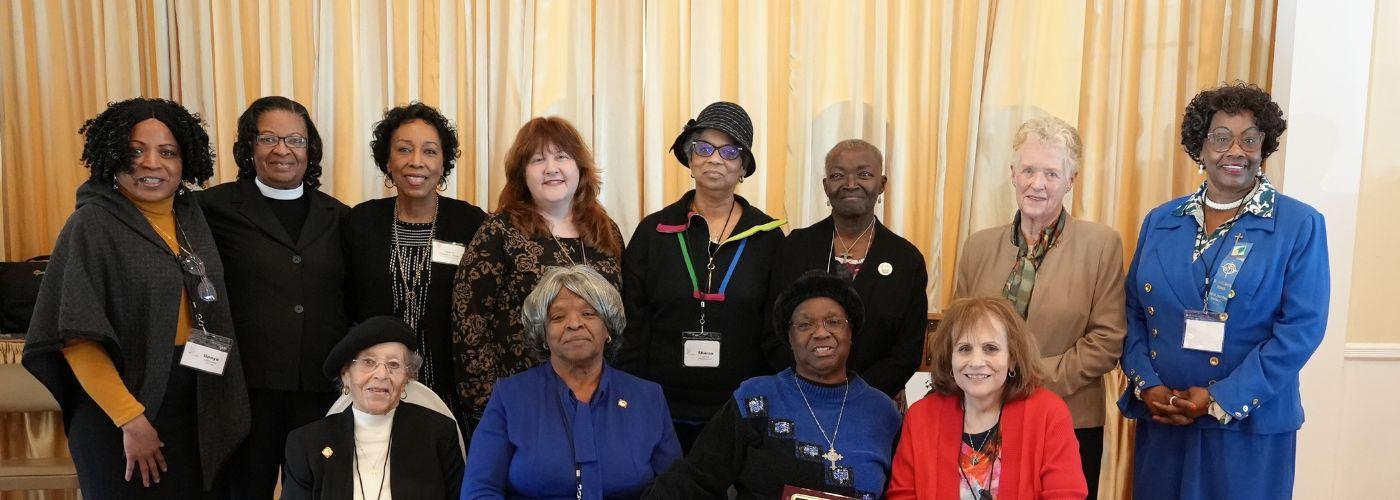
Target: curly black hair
[[396, 117], [248, 131], [1232, 98], [107, 139]]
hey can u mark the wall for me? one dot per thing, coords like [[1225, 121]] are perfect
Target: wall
[[1341, 106]]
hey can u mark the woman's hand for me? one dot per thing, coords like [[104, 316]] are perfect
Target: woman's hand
[[1166, 406], [142, 447], [1194, 402]]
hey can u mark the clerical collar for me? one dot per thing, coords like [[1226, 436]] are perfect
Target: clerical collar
[[279, 194]]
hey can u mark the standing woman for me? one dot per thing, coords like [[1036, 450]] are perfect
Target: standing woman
[[886, 270], [696, 277], [135, 283], [1064, 276], [548, 215], [1227, 300], [279, 238], [403, 250]]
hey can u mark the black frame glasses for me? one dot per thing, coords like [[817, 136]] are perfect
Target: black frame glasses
[[705, 149]]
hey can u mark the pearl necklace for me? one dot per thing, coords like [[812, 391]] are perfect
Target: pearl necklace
[[1224, 206]]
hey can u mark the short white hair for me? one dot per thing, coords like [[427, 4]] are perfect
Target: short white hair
[[1055, 133]]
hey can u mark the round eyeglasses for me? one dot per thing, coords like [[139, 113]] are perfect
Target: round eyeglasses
[[1220, 142]]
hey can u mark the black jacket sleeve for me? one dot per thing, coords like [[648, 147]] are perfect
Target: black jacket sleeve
[[636, 337]]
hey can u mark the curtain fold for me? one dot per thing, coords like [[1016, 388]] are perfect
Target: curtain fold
[[940, 87]]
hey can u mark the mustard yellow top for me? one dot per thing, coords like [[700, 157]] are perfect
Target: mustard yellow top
[[91, 364]]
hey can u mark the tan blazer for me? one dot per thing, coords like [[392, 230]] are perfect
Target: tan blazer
[[1076, 309]]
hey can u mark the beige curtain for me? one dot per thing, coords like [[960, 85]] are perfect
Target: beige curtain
[[939, 86]]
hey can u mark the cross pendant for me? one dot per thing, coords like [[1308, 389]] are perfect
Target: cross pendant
[[832, 456]]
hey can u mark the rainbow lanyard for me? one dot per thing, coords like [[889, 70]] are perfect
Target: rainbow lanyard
[[710, 266]]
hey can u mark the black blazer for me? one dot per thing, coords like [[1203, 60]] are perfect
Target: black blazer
[[368, 238], [886, 351], [425, 460], [287, 297]]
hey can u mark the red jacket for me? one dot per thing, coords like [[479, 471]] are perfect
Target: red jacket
[[1039, 454]]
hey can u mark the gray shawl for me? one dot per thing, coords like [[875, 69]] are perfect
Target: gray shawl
[[113, 280]]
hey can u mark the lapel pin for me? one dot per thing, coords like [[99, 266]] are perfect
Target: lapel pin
[[621, 403], [886, 269], [327, 452]]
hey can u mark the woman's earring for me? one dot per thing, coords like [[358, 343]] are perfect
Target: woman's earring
[[828, 202], [1200, 168], [442, 187], [388, 182], [879, 199], [403, 395], [1012, 373], [345, 391]]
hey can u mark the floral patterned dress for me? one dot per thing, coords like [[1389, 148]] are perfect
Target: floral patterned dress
[[500, 268]]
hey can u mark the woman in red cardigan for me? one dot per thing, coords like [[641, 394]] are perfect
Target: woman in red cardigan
[[987, 429]]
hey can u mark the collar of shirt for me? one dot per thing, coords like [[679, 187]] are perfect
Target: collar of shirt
[[1260, 201]]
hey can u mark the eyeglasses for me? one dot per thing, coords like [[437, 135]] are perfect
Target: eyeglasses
[[1220, 141], [270, 141], [839, 176], [830, 324], [193, 265], [367, 365], [727, 151]]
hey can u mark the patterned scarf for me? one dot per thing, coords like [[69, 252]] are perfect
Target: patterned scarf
[[1260, 202], [1022, 279]]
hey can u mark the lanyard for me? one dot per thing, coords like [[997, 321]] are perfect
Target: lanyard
[[569, 436], [724, 284]]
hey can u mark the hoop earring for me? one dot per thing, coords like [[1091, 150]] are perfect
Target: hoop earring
[[403, 396], [442, 187], [388, 182], [1012, 373]]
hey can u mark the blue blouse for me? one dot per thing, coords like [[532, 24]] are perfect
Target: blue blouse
[[621, 439]]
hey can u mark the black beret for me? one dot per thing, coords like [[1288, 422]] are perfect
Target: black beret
[[813, 284], [367, 334]]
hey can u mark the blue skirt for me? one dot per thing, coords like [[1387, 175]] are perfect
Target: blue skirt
[[1175, 462]]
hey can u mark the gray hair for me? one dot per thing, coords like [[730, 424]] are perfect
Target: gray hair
[[583, 281], [1055, 133], [411, 367], [857, 146]]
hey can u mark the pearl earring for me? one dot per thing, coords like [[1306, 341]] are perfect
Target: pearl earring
[[1200, 168]]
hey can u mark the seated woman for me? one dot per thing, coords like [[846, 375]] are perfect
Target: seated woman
[[791, 429], [380, 445], [574, 425], [988, 414]]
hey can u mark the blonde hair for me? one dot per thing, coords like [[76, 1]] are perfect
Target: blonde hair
[[1055, 133]]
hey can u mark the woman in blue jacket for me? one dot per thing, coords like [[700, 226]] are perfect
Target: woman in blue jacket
[[1227, 298]]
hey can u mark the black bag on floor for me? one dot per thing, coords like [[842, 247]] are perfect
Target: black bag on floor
[[19, 287]]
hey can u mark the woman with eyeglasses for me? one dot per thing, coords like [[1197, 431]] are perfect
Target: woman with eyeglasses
[[404, 250], [131, 330], [816, 426], [696, 273], [279, 237], [887, 270], [381, 446], [1227, 298]]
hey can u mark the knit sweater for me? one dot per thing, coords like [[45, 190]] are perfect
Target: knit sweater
[[766, 437]]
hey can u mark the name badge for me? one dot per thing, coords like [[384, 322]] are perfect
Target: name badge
[[446, 252], [1205, 331], [206, 352], [701, 349]]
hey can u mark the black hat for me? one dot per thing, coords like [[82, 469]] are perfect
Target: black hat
[[367, 334], [725, 117], [813, 284]]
